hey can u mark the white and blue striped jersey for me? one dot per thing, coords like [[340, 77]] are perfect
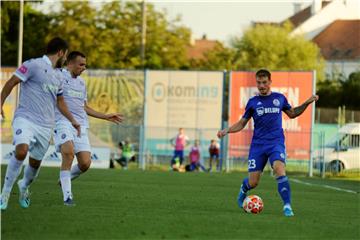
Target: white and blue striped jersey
[[75, 96], [39, 87]]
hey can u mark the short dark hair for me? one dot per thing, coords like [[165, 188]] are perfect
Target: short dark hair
[[55, 45], [263, 73], [73, 55]]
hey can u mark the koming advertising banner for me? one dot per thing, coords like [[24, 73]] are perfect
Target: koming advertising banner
[[182, 99]]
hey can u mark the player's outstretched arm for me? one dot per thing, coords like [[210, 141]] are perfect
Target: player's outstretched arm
[[65, 111], [112, 117], [8, 87], [297, 111], [234, 128]]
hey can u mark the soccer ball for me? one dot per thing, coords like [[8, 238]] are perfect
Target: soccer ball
[[253, 204]]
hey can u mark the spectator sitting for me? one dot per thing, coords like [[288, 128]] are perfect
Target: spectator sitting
[[194, 157], [127, 155]]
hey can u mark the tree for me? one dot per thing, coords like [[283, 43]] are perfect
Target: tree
[[350, 92], [110, 35], [219, 58], [35, 31], [274, 48]]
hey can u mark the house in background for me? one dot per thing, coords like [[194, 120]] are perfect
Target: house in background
[[335, 27], [198, 48]]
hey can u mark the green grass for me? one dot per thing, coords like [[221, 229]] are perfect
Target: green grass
[[115, 204]]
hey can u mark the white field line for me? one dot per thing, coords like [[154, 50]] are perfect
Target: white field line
[[324, 186]]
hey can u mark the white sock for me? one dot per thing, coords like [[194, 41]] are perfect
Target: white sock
[[66, 184], [75, 171], [12, 172], [30, 174]]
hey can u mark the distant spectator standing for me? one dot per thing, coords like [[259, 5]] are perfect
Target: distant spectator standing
[[179, 142], [214, 152]]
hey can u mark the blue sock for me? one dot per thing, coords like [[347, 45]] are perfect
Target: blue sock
[[245, 185], [284, 189]]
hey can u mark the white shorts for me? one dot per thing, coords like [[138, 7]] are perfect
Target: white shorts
[[65, 132], [37, 137]]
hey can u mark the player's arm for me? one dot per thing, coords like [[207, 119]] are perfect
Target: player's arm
[[65, 111], [236, 127], [297, 111], [8, 87], [112, 117]]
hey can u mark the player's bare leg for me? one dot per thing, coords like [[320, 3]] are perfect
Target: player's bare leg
[[283, 186], [84, 162], [67, 153], [248, 183]]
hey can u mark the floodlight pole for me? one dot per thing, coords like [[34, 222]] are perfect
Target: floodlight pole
[[20, 42], [143, 33]]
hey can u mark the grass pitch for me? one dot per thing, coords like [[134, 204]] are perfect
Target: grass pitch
[[115, 204]]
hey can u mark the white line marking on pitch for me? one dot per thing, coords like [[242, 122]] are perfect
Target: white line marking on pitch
[[323, 185]]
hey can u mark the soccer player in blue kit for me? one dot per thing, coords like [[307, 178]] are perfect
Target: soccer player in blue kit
[[268, 138]]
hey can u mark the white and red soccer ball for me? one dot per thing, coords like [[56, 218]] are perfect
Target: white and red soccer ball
[[253, 204]]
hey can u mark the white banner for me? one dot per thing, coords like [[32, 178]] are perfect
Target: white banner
[[99, 156]]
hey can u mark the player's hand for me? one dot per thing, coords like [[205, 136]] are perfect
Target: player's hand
[[222, 133], [313, 98], [76, 125], [115, 117]]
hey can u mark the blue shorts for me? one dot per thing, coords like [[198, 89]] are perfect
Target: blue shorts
[[260, 153], [179, 154]]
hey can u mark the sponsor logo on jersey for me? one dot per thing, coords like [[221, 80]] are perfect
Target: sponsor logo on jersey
[[260, 111], [50, 88], [272, 110], [276, 102], [73, 93], [23, 69]]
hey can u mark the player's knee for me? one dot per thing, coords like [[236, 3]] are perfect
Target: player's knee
[[84, 166], [21, 151]]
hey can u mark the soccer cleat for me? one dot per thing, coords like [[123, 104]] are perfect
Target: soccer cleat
[[69, 202], [24, 196], [4, 200], [288, 212], [241, 197]]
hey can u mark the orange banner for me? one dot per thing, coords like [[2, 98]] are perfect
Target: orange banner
[[297, 88]]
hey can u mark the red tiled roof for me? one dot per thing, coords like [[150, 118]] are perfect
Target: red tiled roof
[[340, 40], [201, 46], [303, 15]]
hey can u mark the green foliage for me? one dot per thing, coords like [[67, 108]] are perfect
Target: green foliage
[[111, 35], [35, 31], [340, 91], [272, 47], [219, 58]]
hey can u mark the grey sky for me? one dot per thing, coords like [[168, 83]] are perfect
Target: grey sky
[[220, 20]]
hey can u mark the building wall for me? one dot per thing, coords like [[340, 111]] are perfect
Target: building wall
[[344, 67], [338, 9]]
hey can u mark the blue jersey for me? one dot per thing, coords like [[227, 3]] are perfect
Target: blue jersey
[[266, 112]]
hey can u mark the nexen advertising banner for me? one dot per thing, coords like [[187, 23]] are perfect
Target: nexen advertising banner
[[297, 88], [188, 99]]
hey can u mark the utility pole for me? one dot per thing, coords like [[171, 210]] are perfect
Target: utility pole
[[20, 43], [143, 32]]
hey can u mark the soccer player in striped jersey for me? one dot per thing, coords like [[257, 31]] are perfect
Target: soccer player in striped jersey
[[65, 138], [40, 92], [268, 139]]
